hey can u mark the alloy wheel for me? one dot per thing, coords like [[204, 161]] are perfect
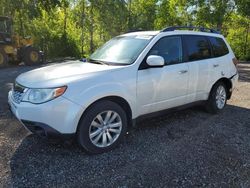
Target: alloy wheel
[[105, 128], [220, 97]]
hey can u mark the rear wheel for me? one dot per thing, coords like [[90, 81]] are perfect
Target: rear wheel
[[3, 58], [102, 127], [217, 99], [31, 56]]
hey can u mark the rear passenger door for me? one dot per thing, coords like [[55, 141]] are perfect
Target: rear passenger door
[[219, 66], [197, 54]]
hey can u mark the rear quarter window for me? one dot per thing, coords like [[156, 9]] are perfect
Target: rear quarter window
[[218, 46]]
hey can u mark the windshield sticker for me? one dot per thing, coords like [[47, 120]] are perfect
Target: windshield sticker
[[147, 37]]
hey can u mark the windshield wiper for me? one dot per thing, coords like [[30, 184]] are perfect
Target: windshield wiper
[[106, 63], [97, 62]]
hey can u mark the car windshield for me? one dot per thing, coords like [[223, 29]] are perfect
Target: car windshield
[[121, 50]]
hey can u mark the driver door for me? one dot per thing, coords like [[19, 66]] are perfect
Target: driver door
[[160, 88]]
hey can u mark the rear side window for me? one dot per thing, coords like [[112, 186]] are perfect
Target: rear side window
[[197, 47], [170, 48], [218, 46]]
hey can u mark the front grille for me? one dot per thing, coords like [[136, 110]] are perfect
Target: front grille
[[18, 91], [17, 96]]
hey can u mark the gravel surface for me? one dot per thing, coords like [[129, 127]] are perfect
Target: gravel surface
[[183, 149]]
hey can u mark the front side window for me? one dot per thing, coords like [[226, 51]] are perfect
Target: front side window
[[219, 47], [170, 48], [197, 47], [121, 50]]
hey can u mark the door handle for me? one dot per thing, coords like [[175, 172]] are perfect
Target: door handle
[[183, 71], [216, 65]]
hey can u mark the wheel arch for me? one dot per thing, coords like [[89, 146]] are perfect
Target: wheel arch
[[123, 103], [228, 84]]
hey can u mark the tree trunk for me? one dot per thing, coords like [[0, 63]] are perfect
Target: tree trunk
[[21, 32], [82, 37], [91, 29], [219, 26], [65, 20], [129, 16]]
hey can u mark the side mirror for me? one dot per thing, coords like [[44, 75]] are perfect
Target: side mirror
[[155, 61]]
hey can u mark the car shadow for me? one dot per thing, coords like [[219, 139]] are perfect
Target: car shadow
[[41, 162]]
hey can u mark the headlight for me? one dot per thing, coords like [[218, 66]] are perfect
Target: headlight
[[38, 96]]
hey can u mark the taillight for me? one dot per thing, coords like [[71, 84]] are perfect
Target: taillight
[[235, 61]]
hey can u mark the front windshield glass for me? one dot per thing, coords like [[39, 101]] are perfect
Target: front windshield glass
[[121, 49]]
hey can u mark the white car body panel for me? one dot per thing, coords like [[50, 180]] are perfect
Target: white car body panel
[[61, 74], [198, 81], [65, 113], [145, 91], [156, 91]]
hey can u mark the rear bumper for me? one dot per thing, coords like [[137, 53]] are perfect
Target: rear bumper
[[234, 81]]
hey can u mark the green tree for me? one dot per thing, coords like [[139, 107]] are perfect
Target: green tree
[[77, 27], [173, 12], [142, 14], [212, 13]]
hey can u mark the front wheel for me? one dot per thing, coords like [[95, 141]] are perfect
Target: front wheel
[[217, 99], [102, 127]]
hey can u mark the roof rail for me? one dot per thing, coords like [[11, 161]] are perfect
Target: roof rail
[[134, 30], [202, 29]]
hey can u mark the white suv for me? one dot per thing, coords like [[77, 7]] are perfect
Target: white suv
[[132, 75]]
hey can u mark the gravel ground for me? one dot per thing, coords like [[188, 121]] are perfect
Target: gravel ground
[[183, 149]]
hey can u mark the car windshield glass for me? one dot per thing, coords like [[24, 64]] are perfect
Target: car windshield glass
[[121, 50]]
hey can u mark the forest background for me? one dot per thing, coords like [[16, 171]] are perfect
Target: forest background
[[75, 28]]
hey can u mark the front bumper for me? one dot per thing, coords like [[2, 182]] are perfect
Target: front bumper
[[58, 117], [44, 130]]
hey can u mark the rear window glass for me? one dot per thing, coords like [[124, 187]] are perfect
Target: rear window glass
[[218, 46], [197, 47]]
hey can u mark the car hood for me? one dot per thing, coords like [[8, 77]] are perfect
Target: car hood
[[60, 74]]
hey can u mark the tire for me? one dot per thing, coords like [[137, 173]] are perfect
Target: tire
[[3, 58], [217, 99], [31, 56], [91, 124]]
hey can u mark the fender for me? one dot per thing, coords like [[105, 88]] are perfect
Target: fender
[[102, 90]]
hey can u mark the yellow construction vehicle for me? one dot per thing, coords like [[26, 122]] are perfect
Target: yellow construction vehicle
[[15, 48]]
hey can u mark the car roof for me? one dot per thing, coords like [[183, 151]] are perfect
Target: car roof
[[141, 33], [175, 32], [187, 32]]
